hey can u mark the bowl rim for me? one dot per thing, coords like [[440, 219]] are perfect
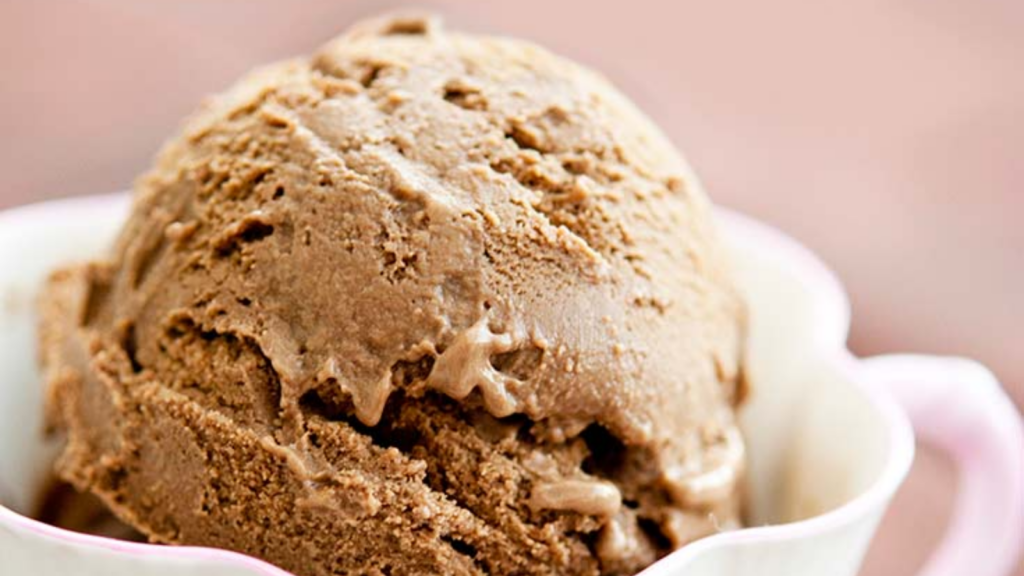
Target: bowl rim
[[830, 306]]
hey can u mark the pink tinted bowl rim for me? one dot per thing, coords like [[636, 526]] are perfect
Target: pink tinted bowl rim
[[832, 312]]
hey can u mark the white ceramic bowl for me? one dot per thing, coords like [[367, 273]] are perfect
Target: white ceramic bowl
[[830, 435]]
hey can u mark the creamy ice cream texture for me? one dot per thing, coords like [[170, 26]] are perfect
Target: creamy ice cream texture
[[421, 303]]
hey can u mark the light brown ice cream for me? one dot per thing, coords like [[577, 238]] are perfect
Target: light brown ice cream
[[421, 303]]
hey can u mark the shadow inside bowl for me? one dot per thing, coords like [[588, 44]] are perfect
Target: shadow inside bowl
[[62, 505]]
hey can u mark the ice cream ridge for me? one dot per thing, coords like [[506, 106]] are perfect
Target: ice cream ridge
[[421, 303]]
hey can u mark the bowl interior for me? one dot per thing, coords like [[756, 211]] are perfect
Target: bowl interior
[[815, 440]]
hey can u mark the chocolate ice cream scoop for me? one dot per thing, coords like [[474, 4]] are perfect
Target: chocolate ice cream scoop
[[421, 303]]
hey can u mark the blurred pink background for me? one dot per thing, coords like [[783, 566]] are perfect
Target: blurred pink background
[[887, 135]]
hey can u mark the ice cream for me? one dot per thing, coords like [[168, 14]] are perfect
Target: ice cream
[[421, 303], [63, 506]]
